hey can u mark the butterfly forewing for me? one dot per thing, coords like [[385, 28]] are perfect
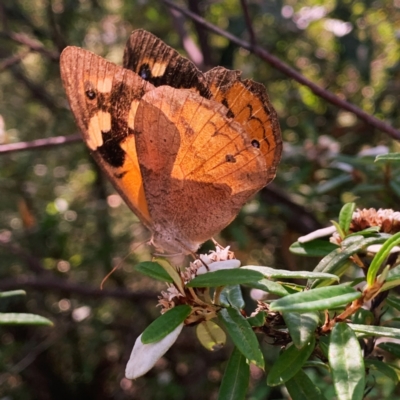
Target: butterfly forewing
[[104, 98], [160, 64]]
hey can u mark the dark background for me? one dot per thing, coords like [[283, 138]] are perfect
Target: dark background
[[62, 227]]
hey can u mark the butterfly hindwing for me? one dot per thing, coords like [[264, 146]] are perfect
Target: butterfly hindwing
[[248, 104]]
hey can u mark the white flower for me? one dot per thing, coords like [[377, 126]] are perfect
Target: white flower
[[218, 265], [144, 356], [317, 234]]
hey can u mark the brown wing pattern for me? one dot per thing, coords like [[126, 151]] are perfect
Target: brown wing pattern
[[104, 98], [197, 173], [184, 150], [249, 105], [160, 64]]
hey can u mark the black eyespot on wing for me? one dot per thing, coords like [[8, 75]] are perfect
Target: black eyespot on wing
[[230, 158], [90, 94], [145, 72], [90, 91], [255, 143]]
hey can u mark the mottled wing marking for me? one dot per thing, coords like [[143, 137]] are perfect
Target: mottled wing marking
[[160, 64], [248, 104]]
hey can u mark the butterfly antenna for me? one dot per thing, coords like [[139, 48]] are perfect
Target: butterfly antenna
[[120, 263]]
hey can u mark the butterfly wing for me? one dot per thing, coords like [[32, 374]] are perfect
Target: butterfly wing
[[249, 105], [160, 64], [104, 98], [198, 165]]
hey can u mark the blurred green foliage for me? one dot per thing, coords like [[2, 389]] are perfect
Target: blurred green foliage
[[62, 228]]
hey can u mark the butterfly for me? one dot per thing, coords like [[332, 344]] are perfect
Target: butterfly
[[185, 150]]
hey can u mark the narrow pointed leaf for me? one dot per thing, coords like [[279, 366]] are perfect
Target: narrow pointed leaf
[[347, 363], [338, 260], [165, 324], [231, 296], [12, 293], [23, 319], [381, 256], [301, 326], [210, 335], [316, 299], [258, 319], [388, 157], [172, 272], [272, 273], [242, 335], [236, 378], [316, 248], [385, 368], [301, 387], [270, 287], [380, 331], [346, 215], [392, 348], [394, 302], [289, 363], [154, 270], [225, 278]]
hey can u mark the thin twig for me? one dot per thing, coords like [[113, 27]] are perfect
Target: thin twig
[[202, 34], [39, 143], [33, 44], [289, 71], [62, 285], [12, 60], [249, 23], [188, 44]]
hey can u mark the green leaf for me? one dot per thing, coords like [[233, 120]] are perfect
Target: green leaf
[[289, 363], [347, 363], [225, 278], [172, 272], [242, 335], [272, 273], [384, 368], [381, 256], [316, 299], [395, 186], [346, 215], [258, 319], [232, 296], [393, 348], [333, 183], [392, 280], [388, 157], [210, 335], [23, 319], [315, 248], [236, 378], [270, 287], [338, 261], [393, 302], [12, 293], [381, 331], [372, 230], [362, 316], [165, 324], [301, 326], [301, 387], [154, 270]]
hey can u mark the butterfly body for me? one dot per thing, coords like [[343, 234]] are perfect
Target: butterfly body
[[184, 150]]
